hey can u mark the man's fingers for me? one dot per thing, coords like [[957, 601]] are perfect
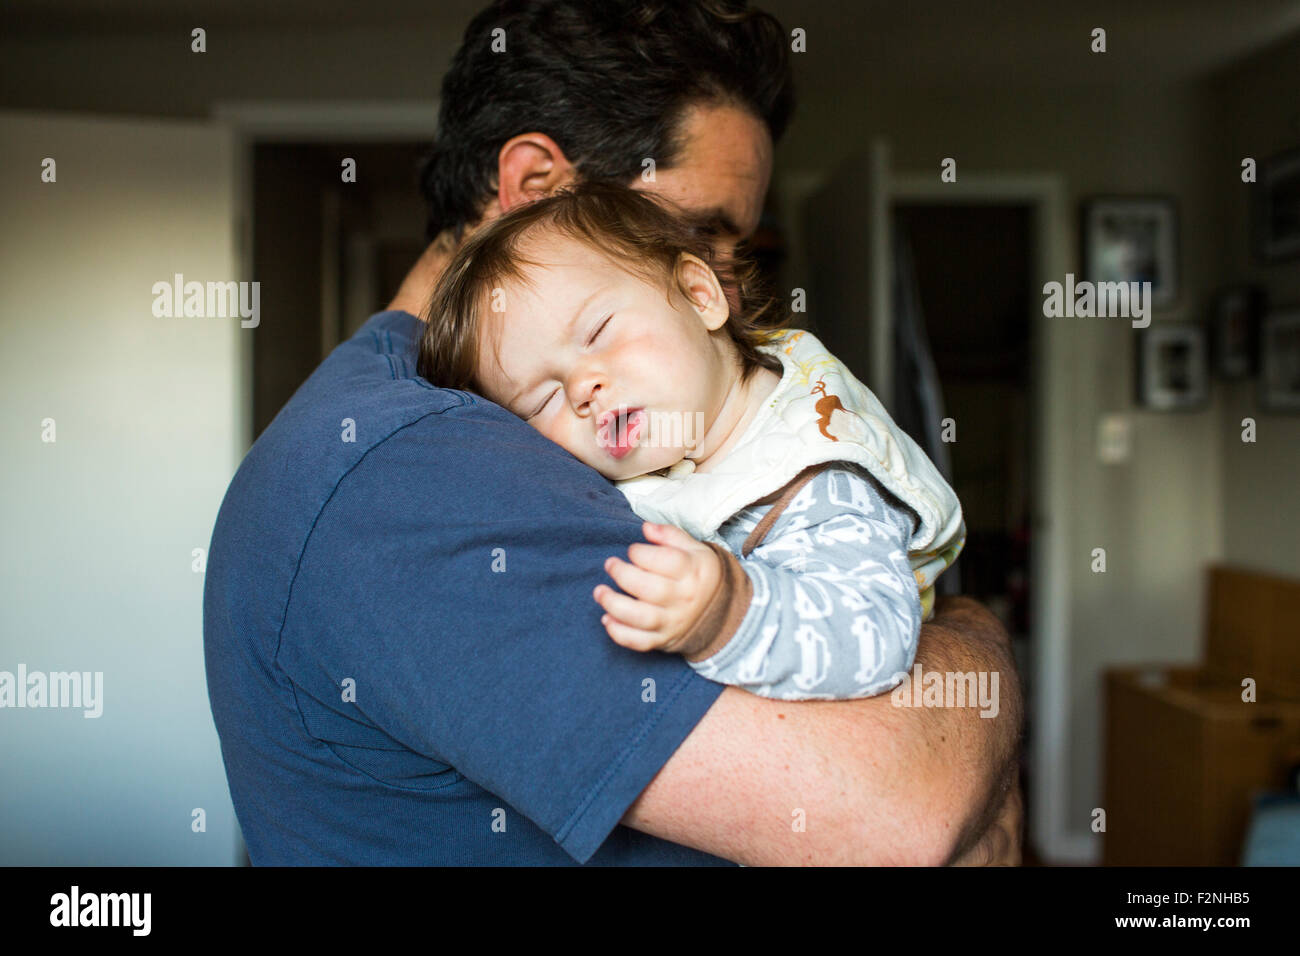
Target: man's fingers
[[628, 610], [639, 583]]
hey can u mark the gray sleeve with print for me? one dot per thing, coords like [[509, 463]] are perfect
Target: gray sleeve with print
[[835, 612]]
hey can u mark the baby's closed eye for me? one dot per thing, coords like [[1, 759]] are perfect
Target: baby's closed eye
[[538, 409]]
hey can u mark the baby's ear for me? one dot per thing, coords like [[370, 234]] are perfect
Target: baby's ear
[[700, 285]]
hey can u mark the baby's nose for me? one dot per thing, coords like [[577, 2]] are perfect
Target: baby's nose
[[586, 393]]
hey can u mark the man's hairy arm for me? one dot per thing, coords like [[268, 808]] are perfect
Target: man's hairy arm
[[970, 638], [874, 784]]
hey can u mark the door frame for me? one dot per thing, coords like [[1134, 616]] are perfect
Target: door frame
[[306, 121], [1051, 392]]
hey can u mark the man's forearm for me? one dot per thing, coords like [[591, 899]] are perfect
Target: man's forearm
[[964, 762], [880, 784]]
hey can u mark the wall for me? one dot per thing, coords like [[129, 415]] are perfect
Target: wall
[[100, 524], [119, 73], [1258, 114]]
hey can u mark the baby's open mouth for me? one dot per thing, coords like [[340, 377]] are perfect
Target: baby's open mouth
[[618, 430]]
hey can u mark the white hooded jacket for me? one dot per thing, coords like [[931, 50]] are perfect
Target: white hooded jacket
[[819, 412]]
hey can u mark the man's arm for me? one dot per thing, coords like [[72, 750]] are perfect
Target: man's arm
[[766, 782], [1000, 844]]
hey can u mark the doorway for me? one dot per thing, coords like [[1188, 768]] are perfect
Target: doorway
[[338, 250], [964, 291], [971, 269]]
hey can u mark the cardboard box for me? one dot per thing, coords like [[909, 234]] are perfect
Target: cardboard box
[[1184, 756]]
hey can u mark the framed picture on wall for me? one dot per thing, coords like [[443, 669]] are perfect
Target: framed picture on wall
[[1279, 361], [1277, 208], [1234, 320], [1172, 367], [1133, 239]]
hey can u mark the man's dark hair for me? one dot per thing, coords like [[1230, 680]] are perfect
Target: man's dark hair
[[608, 80]]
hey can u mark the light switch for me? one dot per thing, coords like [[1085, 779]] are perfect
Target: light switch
[[1114, 439]]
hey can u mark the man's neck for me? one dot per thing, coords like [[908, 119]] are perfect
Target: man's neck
[[416, 289]]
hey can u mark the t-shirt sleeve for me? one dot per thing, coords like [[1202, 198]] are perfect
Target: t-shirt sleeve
[[450, 576]]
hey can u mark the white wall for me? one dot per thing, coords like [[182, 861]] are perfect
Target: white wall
[[95, 573], [1258, 114]]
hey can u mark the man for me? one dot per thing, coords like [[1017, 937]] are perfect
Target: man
[[391, 633]]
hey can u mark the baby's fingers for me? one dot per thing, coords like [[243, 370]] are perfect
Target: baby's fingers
[[628, 610], [639, 583], [670, 535], [664, 560], [634, 639]]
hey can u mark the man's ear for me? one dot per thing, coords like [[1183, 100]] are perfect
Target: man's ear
[[703, 291], [530, 166]]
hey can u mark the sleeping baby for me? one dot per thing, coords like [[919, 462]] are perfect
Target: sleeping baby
[[793, 532]]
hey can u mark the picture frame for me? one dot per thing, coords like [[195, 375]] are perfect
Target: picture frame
[[1277, 208], [1173, 367], [1234, 321], [1133, 239], [1279, 360]]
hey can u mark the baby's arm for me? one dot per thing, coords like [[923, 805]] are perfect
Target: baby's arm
[[833, 610]]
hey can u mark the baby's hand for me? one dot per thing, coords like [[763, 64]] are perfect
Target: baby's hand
[[669, 583]]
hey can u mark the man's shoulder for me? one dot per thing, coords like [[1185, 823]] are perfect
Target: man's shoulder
[[365, 391], [364, 396], [365, 432]]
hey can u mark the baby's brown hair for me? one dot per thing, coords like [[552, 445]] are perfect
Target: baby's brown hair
[[638, 232]]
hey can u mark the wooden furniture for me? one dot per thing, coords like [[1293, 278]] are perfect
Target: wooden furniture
[[1253, 630], [1184, 752]]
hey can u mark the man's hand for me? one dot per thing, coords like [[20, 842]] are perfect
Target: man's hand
[[669, 583]]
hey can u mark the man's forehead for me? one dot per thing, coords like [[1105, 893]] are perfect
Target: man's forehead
[[722, 170], [730, 203]]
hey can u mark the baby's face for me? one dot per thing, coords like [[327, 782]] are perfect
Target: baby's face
[[601, 362]]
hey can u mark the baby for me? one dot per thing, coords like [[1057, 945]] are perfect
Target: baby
[[793, 532]]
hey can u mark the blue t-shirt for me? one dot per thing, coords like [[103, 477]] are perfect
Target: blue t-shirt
[[404, 659]]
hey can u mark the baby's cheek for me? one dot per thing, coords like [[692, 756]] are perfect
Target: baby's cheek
[[569, 440]]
